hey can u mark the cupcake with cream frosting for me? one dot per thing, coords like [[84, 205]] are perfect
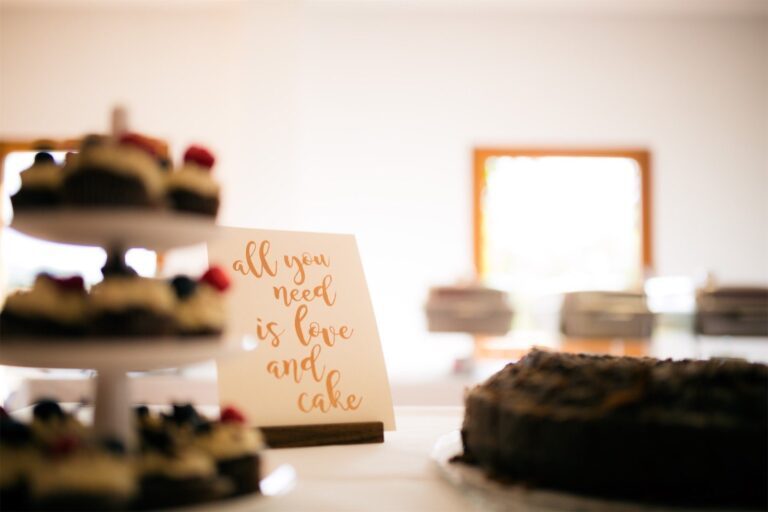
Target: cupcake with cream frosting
[[18, 458], [192, 188], [40, 184], [126, 173], [171, 474], [51, 422], [52, 307], [201, 308], [235, 447], [79, 476], [124, 304]]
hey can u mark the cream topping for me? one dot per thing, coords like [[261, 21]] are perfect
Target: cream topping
[[45, 175], [187, 463], [48, 300], [118, 293], [205, 308], [193, 178], [230, 440], [126, 160], [16, 463], [87, 472]]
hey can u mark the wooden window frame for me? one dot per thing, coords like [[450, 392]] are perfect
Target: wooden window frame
[[641, 156]]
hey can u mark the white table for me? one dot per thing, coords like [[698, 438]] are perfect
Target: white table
[[397, 475]]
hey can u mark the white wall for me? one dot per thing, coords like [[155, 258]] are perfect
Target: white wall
[[361, 118]]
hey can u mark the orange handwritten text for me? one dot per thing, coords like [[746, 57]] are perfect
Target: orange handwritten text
[[331, 399], [257, 267], [297, 369], [269, 331], [321, 291], [304, 260], [308, 334]]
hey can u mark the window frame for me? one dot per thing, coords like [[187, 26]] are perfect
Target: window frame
[[641, 156]]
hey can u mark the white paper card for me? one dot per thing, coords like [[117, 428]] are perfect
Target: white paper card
[[303, 297]]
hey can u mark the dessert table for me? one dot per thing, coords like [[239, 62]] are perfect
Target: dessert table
[[398, 475]]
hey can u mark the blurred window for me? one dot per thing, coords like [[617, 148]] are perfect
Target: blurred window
[[552, 221]]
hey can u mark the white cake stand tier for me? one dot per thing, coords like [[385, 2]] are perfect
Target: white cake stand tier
[[112, 358], [117, 228]]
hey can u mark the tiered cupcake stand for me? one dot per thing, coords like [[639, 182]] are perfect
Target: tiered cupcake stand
[[113, 357]]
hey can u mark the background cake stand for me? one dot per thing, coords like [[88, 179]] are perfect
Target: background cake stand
[[114, 357]]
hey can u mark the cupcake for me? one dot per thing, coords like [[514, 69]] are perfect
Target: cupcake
[[78, 476], [53, 307], [126, 173], [192, 188], [18, 457], [40, 185], [50, 422], [171, 474], [235, 447], [201, 310], [124, 304]]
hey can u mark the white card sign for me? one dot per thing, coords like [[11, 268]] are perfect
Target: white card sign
[[304, 298]]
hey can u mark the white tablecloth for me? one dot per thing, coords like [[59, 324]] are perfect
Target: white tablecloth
[[397, 475]]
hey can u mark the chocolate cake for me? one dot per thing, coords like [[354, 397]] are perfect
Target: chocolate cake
[[682, 432]]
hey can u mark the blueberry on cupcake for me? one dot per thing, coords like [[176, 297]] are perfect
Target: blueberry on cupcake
[[40, 184], [52, 307], [79, 476], [192, 188], [235, 447], [201, 309], [124, 304], [125, 173], [18, 458]]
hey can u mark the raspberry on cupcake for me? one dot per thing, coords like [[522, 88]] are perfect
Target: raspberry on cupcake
[[53, 307], [40, 184], [201, 309], [123, 173], [192, 188]]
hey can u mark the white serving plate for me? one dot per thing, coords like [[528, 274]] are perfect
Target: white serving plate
[[492, 496], [107, 353], [117, 227]]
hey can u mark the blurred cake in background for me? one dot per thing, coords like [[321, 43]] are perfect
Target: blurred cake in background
[[473, 309], [732, 311], [603, 314]]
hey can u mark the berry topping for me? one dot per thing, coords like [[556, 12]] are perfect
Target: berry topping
[[114, 446], [116, 266], [46, 410], [72, 284], [142, 411], [64, 445], [158, 440], [200, 156], [183, 286], [184, 414], [140, 142], [217, 278], [231, 415], [43, 158]]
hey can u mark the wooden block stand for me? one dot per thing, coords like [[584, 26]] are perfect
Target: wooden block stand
[[296, 436]]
